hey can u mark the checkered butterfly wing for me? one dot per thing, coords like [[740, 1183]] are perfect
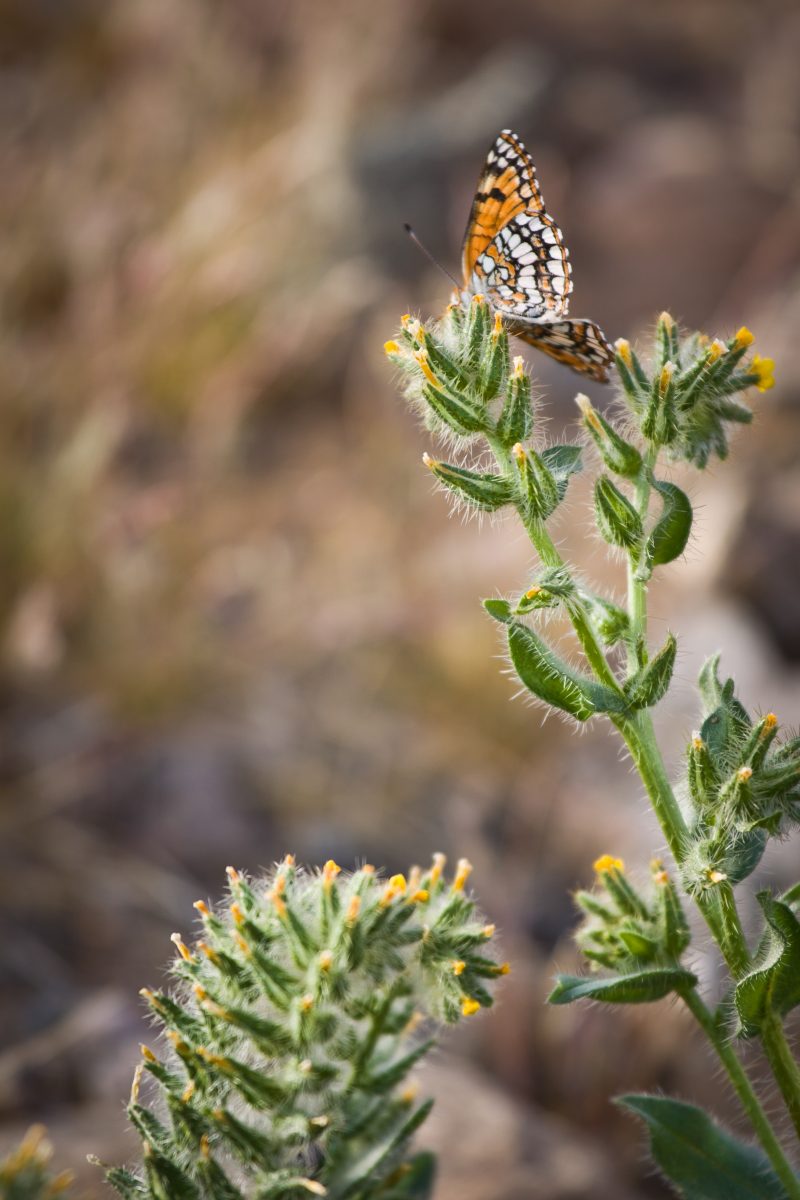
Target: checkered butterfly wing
[[514, 253], [579, 344], [513, 250]]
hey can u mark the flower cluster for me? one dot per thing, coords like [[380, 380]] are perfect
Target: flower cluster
[[296, 1018], [624, 930], [742, 787], [687, 400], [25, 1174]]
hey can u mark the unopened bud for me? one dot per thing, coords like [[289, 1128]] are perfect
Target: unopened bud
[[623, 349], [439, 864], [469, 1006], [463, 872], [606, 863]]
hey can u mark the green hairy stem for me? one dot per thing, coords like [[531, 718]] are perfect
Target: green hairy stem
[[742, 787]]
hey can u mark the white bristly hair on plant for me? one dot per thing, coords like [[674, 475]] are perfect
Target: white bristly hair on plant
[[740, 789], [293, 1024]]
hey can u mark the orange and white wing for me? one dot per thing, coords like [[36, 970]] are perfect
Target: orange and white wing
[[513, 250], [579, 344]]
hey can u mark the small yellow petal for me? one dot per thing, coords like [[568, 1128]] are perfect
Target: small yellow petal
[[469, 1006], [391, 348], [764, 369], [743, 338], [607, 863]]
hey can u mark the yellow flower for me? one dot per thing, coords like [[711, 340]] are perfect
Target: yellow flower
[[607, 863], [743, 338], [469, 1006], [764, 369]]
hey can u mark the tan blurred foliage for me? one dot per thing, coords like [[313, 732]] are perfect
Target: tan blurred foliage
[[234, 621]]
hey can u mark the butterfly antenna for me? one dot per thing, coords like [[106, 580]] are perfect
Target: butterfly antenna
[[430, 257]]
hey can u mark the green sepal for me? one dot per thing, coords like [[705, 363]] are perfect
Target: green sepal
[[702, 775], [487, 491], [650, 683], [638, 944], [477, 327], [562, 461], [617, 519], [618, 455], [126, 1183], [216, 1184], [456, 410], [537, 486], [667, 340], [166, 1180], [637, 987], [444, 364], [744, 854], [495, 366], [675, 932], [698, 1157], [671, 532], [416, 1181], [610, 621], [773, 982], [515, 423], [548, 677]]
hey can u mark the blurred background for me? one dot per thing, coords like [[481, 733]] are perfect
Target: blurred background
[[236, 621]]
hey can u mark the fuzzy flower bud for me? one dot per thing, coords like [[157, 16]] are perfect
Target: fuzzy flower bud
[[328, 961]]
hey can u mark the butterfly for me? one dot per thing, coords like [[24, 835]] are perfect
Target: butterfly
[[515, 256]]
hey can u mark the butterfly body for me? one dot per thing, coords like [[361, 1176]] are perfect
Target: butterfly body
[[515, 256]]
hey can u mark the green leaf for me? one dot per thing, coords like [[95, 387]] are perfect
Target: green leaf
[[540, 491], [125, 1182], [619, 456], [487, 491], [708, 684], [700, 1159], [562, 461], [554, 681], [515, 422], [638, 987], [499, 609], [671, 532], [650, 683], [617, 519], [418, 1183], [773, 982], [744, 854], [456, 410]]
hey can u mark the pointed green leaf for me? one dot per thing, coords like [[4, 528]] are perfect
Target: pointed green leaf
[[650, 683], [499, 609], [515, 422], [562, 461], [671, 532], [417, 1183], [617, 519], [700, 1159], [638, 987], [773, 982], [547, 676], [484, 490]]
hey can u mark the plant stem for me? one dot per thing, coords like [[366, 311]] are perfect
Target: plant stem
[[545, 547], [782, 1062], [744, 1090], [637, 732]]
